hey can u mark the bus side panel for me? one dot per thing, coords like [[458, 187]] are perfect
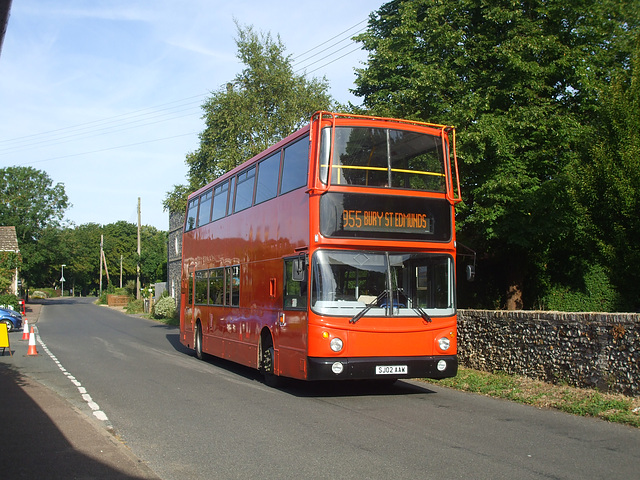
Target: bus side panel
[[257, 240]]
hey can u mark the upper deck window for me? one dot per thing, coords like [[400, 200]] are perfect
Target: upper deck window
[[204, 214], [244, 189], [295, 163], [267, 184], [220, 194], [379, 157], [192, 211]]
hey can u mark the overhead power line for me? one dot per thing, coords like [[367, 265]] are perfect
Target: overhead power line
[[110, 148], [168, 111], [332, 38], [300, 64]]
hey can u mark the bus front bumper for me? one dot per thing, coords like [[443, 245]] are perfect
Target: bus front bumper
[[381, 368]]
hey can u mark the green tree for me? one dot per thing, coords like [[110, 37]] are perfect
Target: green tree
[[46, 257], [263, 104], [522, 82], [153, 256], [9, 262], [607, 183], [31, 202], [121, 241], [83, 259]]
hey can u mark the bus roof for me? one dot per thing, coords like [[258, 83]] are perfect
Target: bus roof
[[302, 131]]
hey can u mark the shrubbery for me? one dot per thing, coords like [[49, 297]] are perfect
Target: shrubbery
[[10, 300], [165, 308], [597, 295], [135, 306]]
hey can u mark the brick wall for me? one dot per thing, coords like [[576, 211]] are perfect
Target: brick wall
[[581, 349]]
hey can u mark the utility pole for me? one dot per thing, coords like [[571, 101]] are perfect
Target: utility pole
[[120, 270], [138, 264], [106, 269], [101, 254]]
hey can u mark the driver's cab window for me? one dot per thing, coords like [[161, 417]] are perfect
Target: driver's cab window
[[295, 283]]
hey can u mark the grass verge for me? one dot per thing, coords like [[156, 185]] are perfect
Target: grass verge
[[578, 401]]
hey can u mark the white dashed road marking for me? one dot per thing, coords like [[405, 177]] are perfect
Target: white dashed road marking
[[95, 408]]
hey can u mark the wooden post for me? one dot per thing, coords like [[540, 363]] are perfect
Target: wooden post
[[138, 263], [101, 255]]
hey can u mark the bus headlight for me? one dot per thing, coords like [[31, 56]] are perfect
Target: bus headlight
[[336, 344], [444, 343]]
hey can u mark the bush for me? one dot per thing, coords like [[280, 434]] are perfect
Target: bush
[[45, 292], [10, 301], [597, 295], [130, 287], [102, 299], [135, 306], [165, 308]]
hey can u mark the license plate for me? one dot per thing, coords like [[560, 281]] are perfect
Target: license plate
[[391, 370]]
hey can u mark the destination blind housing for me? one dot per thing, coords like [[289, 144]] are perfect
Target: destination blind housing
[[355, 215]]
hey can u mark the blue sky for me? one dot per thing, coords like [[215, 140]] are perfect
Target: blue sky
[[105, 95]]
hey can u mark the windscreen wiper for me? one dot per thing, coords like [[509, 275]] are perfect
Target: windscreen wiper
[[423, 314], [418, 310], [369, 306]]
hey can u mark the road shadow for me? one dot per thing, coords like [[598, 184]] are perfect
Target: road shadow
[[352, 388], [174, 340], [301, 388], [34, 446]]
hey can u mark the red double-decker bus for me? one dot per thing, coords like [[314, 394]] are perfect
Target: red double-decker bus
[[330, 255]]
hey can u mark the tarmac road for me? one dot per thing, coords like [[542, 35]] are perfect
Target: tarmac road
[[190, 419], [44, 436]]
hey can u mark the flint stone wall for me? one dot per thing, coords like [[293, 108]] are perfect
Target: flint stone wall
[[596, 350], [174, 256]]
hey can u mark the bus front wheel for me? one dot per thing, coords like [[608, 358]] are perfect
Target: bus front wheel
[[267, 364]]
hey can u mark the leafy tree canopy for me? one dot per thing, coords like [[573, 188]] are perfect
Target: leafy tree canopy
[[31, 202], [607, 183], [263, 104], [523, 82], [78, 248]]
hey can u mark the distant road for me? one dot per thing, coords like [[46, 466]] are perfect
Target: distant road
[[191, 419]]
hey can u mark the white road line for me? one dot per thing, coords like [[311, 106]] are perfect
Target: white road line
[[95, 408]]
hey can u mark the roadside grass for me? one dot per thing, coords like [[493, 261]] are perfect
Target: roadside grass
[[578, 401], [174, 322]]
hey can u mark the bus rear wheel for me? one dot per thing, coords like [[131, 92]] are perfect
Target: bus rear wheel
[[198, 342]]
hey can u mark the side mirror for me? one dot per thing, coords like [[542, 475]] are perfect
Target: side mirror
[[298, 269], [471, 273]]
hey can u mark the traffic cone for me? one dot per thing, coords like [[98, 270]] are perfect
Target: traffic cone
[[32, 344], [25, 330]]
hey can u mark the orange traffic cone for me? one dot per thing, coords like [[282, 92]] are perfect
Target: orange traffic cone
[[32, 344], [25, 330]]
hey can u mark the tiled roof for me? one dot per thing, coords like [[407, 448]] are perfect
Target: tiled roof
[[8, 240]]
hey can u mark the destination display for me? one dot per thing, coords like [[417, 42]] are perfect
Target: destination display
[[354, 215]]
